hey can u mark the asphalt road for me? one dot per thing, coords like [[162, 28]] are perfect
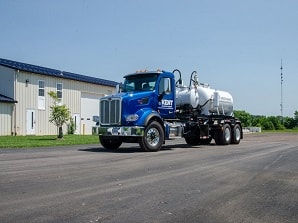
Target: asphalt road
[[255, 181]]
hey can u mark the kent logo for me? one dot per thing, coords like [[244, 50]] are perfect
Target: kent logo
[[167, 103]]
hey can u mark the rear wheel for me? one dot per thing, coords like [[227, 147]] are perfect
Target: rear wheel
[[153, 137], [216, 137], [236, 134], [206, 141], [193, 134], [109, 142], [192, 140], [224, 135]]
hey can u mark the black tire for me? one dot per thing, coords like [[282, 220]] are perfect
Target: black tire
[[206, 141], [109, 142], [192, 137], [192, 140], [236, 135], [153, 137], [225, 135], [216, 137]]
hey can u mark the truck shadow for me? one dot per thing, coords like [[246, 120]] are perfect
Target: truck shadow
[[120, 150], [134, 149]]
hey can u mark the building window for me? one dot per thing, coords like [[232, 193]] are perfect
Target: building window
[[41, 98], [41, 88], [59, 90]]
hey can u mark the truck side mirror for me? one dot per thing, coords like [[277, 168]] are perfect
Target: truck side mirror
[[161, 95], [119, 88]]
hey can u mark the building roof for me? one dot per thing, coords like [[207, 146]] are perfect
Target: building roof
[[4, 98], [55, 73]]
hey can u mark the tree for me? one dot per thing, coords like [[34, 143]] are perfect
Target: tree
[[296, 118], [257, 120], [289, 123], [244, 117], [60, 114], [296, 115], [276, 121], [267, 123]]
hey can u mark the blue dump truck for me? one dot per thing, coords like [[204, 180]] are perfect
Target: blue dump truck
[[153, 106]]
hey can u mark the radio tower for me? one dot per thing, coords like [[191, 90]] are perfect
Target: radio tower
[[281, 96]]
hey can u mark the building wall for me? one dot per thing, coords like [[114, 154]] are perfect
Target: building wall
[[89, 108], [6, 111], [27, 97]]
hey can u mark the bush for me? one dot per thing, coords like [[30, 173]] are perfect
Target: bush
[[71, 127]]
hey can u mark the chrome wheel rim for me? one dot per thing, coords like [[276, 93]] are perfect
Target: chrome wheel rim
[[227, 134], [152, 137], [237, 134]]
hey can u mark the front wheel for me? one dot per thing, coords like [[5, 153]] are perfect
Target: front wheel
[[153, 137], [109, 143]]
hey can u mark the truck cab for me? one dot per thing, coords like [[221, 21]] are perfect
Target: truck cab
[[148, 91], [146, 98]]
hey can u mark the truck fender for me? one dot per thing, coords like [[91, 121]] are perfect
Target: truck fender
[[153, 116]]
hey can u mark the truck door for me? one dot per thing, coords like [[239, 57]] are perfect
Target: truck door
[[166, 98]]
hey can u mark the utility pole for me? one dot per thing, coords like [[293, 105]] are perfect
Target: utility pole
[[281, 96]]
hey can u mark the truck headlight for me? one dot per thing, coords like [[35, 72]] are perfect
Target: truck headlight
[[132, 118]]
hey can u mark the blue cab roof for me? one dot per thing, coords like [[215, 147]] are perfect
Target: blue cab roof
[[141, 73]]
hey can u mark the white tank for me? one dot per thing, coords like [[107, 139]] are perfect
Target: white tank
[[186, 96], [208, 100]]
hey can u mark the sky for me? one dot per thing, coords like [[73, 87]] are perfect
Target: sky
[[234, 45]]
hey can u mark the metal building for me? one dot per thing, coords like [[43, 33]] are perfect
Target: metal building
[[25, 103]]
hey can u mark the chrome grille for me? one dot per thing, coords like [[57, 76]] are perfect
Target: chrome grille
[[110, 111]]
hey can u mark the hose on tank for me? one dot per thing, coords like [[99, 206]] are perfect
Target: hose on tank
[[179, 81], [192, 80]]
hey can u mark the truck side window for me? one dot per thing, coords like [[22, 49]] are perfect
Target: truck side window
[[129, 86], [165, 86]]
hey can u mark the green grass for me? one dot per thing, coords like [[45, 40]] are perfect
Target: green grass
[[281, 131], [42, 141], [51, 141]]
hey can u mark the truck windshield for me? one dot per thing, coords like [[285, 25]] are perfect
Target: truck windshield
[[140, 82]]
